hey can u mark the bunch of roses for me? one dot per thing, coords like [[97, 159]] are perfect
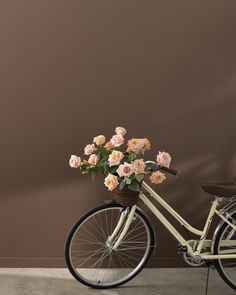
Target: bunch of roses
[[121, 168]]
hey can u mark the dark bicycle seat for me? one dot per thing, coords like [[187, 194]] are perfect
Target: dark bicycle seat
[[220, 189]]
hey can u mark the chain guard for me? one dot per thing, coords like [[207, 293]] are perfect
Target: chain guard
[[190, 260]]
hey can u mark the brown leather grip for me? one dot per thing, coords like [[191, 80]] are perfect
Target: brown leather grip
[[169, 170]]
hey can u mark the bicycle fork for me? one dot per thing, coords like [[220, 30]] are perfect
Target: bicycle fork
[[119, 225]]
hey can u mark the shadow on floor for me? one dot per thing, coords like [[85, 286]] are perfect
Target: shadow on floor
[[150, 281]]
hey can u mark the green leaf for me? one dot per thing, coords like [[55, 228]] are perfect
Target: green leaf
[[105, 167], [127, 180], [131, 157], [103, 157], [132, 177], [113, 169], [122, 184], [139, 177], [92, 174], [134, 186]]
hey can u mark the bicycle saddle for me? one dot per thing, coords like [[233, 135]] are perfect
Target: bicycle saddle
[[220, 189]]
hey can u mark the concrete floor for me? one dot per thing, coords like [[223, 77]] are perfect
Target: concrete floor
[[180, 281]]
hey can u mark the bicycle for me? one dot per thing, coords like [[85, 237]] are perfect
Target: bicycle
[[111, 244]]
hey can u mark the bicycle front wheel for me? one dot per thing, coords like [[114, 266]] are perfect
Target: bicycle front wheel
[[89, 257], [226, 267]]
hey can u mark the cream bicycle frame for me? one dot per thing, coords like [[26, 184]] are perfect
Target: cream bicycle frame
[[202, 242]]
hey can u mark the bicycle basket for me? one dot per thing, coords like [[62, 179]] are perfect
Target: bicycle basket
[[125, 197]]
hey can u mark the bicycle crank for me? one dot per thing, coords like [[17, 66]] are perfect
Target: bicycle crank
[[193, 260]]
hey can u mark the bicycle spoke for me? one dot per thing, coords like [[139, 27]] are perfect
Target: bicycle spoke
[[97, 230], [93, 260], [86, 259], [130, 256], [227, 266], [88, 241], [96, 239], [101, 225]]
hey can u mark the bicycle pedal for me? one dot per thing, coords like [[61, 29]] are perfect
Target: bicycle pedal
[[182, 249]]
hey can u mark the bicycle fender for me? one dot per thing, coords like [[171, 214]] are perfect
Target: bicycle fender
[[220, 224]]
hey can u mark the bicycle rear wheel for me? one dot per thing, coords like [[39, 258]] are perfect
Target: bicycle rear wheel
[[226, 267], [89, 257]]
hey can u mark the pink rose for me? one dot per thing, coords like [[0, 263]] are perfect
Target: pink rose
[[75, 161], [139, 166], [125, 170], [115, 157], [146, 145], [163, 159], [99, 140], [108, 146], [89, 149], [120, 130], [157, 177], [117, 140], [93, 159], [111, 182], [135, 145]]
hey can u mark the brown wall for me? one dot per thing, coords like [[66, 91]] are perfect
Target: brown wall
[[73, 69]]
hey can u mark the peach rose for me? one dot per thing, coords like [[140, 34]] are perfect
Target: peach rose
[[120, 130], [135, 145], [146, 144], [108, 146], [75, 161], [111, 182], [89, 149], [157, 177], [139, 166], [125, 170], [99, 140], [93, 159], [115, 157], [163, 159], [117, 140]]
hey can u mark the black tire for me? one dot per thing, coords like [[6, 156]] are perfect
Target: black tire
[[74, 229], [218, 264]]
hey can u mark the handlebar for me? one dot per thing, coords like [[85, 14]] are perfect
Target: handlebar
[[170, 170], [156, 167]]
